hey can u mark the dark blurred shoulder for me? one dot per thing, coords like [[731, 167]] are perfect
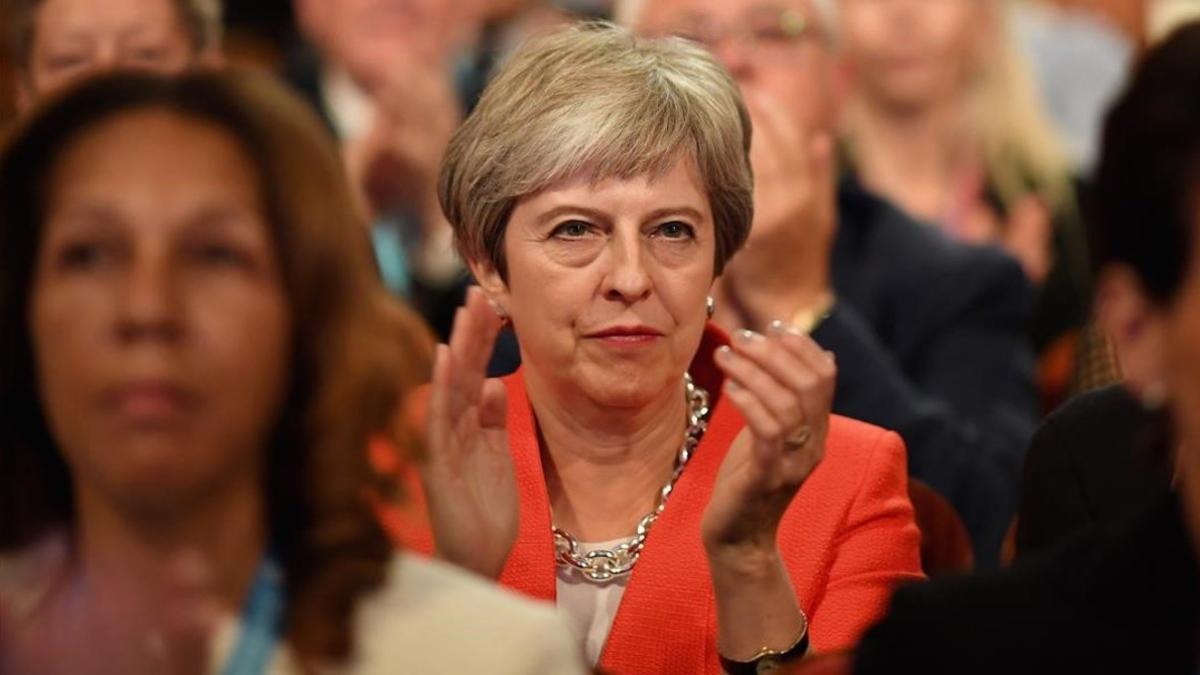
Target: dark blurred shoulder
[[1121, 598], [1092, 460]]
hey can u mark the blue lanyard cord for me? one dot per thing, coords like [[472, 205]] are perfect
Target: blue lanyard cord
[[262, 622]]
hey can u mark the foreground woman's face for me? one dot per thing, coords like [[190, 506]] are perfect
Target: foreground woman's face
[[607, 282], [160, 325]]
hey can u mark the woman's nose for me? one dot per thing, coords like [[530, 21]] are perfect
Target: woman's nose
[[148, 305], [628, 279]]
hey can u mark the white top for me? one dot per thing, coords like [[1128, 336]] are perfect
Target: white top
[[428, 617], [431, 617], [591, 607]]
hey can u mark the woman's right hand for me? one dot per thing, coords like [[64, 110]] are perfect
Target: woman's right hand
[[468, 475]]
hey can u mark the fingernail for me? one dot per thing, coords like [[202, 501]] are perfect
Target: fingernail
[[732, 386], [777, 326], [747, 337], [724, 353]]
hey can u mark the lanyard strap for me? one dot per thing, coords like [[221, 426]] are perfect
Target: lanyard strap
[[262, 620]]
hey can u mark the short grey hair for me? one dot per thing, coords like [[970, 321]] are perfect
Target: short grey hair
[[595, 100]]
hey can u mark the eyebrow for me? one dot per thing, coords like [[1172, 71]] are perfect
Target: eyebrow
[[87, 212], [692, 213], [220, 216], [596, 214]]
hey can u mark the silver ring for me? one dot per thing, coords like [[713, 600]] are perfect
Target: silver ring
[[799, 438]]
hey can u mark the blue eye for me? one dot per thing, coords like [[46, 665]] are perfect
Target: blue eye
[[571, 229], [675, 230]]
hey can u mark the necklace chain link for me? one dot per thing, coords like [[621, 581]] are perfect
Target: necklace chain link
[[604, 564]]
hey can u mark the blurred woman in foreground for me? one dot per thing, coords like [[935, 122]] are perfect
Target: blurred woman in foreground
[[194, 347]]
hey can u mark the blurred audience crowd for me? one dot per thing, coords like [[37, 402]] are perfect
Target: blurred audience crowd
[[629, 336]]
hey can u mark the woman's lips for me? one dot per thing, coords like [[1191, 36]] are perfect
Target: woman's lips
[[149, 401], [626, 336]]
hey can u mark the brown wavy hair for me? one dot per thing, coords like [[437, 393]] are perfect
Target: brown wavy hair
[[355, 351]]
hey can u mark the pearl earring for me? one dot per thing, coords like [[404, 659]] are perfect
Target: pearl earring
[[500, 312]]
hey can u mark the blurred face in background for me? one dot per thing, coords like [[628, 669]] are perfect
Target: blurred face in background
[[775, 50], [780, 56], [908, 53], [73, 38], [370, 38], [160, 327]]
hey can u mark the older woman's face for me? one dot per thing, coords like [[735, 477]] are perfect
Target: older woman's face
[[911, 52], [159, 323], [607, 283]]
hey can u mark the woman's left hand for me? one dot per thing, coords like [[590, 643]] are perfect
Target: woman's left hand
[[783, 385]]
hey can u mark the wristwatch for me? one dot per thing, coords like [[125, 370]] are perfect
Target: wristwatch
[[767, 660]]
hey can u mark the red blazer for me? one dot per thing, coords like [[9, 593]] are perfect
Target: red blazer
[[848, 538]]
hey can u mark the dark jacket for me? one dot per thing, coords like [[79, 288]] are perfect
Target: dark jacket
[[931, 341], [1089, 463], [1118, 599]]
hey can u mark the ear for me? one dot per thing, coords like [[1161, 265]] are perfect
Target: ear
[[492, 283], [1134, 325]]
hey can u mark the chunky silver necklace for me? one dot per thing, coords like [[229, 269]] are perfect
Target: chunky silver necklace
[[604, 564]]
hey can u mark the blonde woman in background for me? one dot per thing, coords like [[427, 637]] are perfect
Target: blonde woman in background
[[943, 118]]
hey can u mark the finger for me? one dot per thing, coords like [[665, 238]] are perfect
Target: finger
[[486, 326], [817, 396], [801, 346], [766, 429], [459, 345], [493, 410], [439, 415], [471, 339], [813, 399], [795, 361], [783, 404], [774, 118]]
